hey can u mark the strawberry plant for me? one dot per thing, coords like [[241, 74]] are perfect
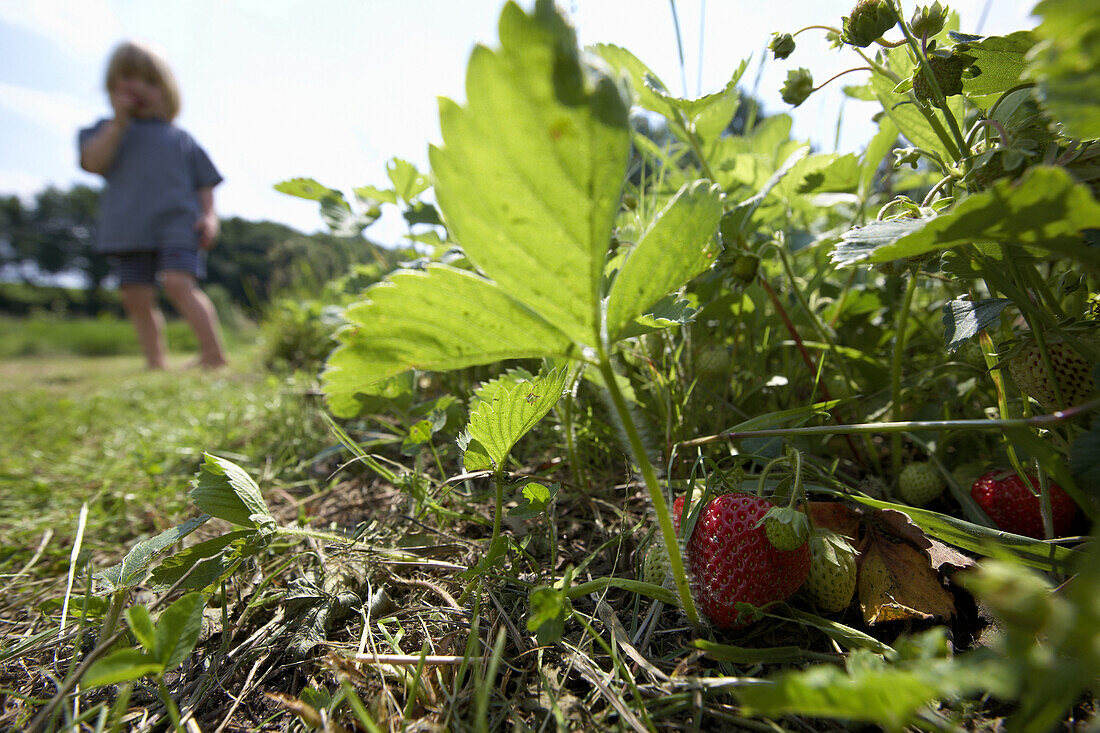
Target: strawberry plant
[[666, 409]]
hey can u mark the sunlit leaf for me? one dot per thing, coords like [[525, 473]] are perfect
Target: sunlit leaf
[[1045, 209], [435, 319], [529, 173], [120, 666], [225, 490], [679, 245], [306, 188], [133, 567], [1002, 60], [497, 424], [536, 497]]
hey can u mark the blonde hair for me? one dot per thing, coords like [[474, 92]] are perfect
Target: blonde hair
[[136, 59]]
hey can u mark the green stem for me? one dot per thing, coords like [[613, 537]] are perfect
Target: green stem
[[903, 426], [660, 506], [925, 68], [169, 703], [895, 368]]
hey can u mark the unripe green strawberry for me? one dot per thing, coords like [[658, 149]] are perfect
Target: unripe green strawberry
[[782, 45], [657, 568], [868, 21], [1072, 373], [712, 360], [948, 71], [831, 582], [745, 267], [798, 86], [786, 528], [920, 483]]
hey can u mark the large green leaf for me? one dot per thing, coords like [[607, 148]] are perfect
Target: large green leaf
[[435, 319], [1045, 209], [120, 666], [530, 172], [1001, 59], [500, 421], [679, 246], [1066, 63]]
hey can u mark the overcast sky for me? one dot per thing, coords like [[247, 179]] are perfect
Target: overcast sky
[[332, 89]]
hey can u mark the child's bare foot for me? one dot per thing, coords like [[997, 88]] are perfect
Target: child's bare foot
[[207, 364]]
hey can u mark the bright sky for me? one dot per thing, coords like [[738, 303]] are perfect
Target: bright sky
[[332, 89]]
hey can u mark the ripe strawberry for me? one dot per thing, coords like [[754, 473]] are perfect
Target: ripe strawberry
[[832, 578], [732, 561], [1072, 373], [919, 483], [1013, 507]]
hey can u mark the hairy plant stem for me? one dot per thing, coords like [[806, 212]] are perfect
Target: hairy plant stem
[[656, 495], [895, 368], [916, 46], [169, 703], [903, 426]]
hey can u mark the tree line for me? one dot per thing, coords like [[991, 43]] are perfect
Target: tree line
[[53, 235]]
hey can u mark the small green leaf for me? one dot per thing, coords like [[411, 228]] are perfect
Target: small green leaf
[[550, 607], [497, 424], [225, 490], [120, 666], [131, 570], [419, 434], [372, 194], [407, 181], [178, 630], [141, 624], [963, 319], [1084, 460], [536, 498], [306, 188]]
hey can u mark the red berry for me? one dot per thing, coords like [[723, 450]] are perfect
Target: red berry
[[732, 561], [1013, 507]]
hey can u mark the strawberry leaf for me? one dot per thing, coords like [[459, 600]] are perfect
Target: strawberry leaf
[[533, 202], [963, 319], [1047, 209], [225, 490], [498, 423]]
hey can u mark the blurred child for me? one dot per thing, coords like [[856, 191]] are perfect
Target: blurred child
[[157, 213]]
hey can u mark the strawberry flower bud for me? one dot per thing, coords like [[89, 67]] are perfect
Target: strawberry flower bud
[[868, 21], [799, 85], [927, 21], [782, 45]]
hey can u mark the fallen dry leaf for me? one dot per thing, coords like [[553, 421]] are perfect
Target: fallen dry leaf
[[938, 553], [897, 583]]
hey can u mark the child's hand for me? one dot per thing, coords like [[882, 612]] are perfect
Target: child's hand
[[124, 105], [208, 228]]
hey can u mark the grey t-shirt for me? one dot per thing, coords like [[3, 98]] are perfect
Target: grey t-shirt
[[151, 200]]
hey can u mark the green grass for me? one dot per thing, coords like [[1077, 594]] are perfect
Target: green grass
[[125, 441], [104, 336]]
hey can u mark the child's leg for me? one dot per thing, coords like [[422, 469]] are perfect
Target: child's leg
[[140, 303], [192, 303]]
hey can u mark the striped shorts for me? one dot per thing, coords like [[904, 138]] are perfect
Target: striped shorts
[[141, 268]]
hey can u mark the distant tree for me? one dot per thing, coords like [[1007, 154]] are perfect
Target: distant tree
[[54, 236]]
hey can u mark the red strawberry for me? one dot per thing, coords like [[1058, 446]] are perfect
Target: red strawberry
[[732, 561], [1013, 507]]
